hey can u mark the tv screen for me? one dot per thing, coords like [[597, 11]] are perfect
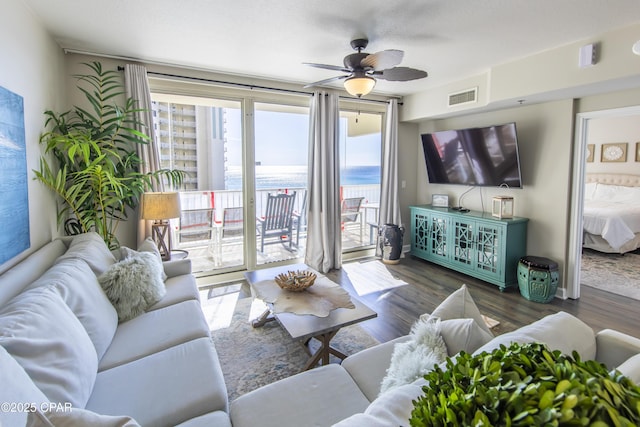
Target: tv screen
[[486, 156]]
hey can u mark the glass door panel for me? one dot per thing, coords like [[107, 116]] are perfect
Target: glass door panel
[[281, 157], [203, 137], [360, 169]]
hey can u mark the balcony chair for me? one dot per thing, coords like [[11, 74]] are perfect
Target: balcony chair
[[300, 219], [350, 213], [232, 223], [196, 225], [277, 221]]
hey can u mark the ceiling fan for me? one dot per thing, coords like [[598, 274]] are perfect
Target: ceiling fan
[[363, 68]]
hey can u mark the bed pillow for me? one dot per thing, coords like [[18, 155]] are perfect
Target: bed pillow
[[459, 305], [80, 290], [41, 332], [589, 190], [91, 248], [134, 284], [617, 194]]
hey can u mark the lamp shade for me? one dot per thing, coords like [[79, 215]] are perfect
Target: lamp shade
[[158, 206], [359, 85]]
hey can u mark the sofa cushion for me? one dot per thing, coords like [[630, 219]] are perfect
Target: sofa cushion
[[368, 367], [77, 417], [459, 305], [165, 388], [631, 368], [463, 334], [216, 418], [179, 288], [390, 409], [319, 397], [91, 248], [41, 332], [17, 389], [615, 347], [155, 331], [79, 287], [134, 284], [560, 331]]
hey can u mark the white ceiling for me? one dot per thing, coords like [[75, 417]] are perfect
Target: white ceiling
[[450, 39]]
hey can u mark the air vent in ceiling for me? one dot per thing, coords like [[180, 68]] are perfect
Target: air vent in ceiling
[[467, 96]]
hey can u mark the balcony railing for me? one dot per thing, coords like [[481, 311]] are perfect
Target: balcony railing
[[206, 257]]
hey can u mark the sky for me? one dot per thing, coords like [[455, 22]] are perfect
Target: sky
[[282, 138]]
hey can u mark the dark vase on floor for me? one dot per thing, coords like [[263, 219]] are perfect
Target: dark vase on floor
[[391, 243]]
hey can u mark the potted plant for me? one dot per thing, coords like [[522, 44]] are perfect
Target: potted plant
[[526, 385], [90, 160]]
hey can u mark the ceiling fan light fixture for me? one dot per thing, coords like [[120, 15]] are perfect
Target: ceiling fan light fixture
[[359, 85]]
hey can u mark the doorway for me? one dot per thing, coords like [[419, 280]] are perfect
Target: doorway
[[578, 192]]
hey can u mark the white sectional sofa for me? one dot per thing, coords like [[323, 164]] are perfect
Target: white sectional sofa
[[62, 348], [64, 354], [348, 395]]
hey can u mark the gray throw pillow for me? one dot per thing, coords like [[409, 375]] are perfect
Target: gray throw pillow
[[134, 284]]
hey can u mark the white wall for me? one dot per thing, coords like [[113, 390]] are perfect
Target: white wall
[[32, 67]]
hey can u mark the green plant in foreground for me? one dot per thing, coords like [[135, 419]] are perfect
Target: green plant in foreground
[[91, 161], [526, 385]]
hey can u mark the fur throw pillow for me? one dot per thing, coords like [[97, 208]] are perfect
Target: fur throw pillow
[[134, 284], [412, 359]]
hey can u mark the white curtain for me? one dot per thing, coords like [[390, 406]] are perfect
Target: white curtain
[[324, 241], [137, 87], [389, 197]]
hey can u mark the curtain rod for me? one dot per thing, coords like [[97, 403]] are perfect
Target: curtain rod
[[252, 86]]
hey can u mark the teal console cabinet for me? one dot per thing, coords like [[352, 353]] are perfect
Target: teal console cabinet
[[474, 243]]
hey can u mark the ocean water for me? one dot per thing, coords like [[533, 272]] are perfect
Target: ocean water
[[296, 176]]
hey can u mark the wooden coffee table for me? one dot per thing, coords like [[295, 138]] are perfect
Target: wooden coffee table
[[306, 327]]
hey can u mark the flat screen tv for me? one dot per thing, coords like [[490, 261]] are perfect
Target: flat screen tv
[[485, 156]]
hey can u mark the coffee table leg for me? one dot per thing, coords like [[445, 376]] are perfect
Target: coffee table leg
[[265, 317], [325, 350]]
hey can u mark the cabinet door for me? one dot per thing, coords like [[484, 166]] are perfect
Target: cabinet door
[[488, 255], [419, 232], [463, 242], [438, 242]]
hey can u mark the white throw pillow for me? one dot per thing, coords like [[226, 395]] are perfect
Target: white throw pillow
[[463, 334], [16, 389], [459, 305], [41, 332], [134, 284], [79, 287], [412, 359], [631, 368], [77, 418], [91, 248]]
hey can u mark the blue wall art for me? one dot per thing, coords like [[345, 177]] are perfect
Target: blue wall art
[[14, 200]]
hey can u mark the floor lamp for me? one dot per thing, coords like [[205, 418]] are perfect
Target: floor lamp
[[160, 208]]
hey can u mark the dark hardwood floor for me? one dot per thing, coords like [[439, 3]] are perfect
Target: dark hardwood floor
[[429, 284]]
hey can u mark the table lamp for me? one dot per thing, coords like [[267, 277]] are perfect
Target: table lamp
[[160, 207]]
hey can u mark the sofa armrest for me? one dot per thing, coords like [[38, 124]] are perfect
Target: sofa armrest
[[614, 347], [177, 267]]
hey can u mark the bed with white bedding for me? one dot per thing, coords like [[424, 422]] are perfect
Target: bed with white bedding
[[612, 213]]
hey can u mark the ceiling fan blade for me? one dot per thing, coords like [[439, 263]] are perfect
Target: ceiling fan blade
[[328, 67], [325, 81], [400, 74], [383, 59]]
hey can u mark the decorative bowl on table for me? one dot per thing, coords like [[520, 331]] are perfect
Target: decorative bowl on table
[[295, 281]]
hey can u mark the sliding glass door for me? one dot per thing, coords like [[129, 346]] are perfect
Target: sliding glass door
[[203, 137]]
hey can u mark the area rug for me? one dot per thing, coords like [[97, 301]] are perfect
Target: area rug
[[253, 357], [619, 274], [371, 276]]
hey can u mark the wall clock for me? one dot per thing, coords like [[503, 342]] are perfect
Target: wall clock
[[616, 152]]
